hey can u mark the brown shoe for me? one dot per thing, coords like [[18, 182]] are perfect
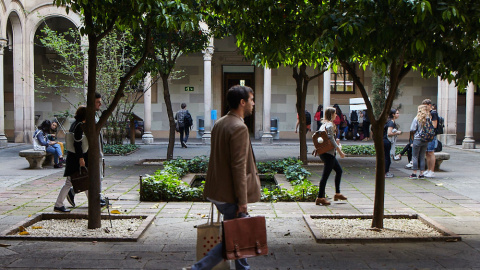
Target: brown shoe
[[322, 201], [339, 197]]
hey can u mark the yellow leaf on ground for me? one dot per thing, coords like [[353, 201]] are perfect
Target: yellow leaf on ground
[[21, 229], [115, 212], [24, 233], [37, 227]]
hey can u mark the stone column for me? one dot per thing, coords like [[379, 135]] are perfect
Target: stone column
[[469, 141], [267, 137], [3, 138], [147, 137], [447, 108], [207, 93], [326, 89]]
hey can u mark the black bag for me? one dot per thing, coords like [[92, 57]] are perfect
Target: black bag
[[187, 120], [354, 116], [439, 147], [440, 125], [308, 116], [80, 180]]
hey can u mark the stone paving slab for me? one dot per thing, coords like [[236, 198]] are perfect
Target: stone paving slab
[[169, 243]]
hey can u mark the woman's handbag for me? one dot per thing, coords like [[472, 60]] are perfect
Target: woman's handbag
[[70, 139], [244, 238], [80, 180], [208, 236], [321, 142]]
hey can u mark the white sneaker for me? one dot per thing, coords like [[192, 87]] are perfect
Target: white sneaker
[[409, 165], [429, 174], [397, 157]]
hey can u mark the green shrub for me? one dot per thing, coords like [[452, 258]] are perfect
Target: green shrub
[[165, 185], [368, 150], [119, 149]]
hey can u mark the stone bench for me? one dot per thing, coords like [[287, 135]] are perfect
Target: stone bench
[[439, 158], [37, 159]]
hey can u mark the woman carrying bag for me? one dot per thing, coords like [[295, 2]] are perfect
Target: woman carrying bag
[[329, 160], [419, 147], [74, 160]]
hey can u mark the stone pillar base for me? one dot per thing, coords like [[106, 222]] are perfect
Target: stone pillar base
[[3, 141], [468, 143], [447, 139], [267, 138], [207, 138], [147, 138]]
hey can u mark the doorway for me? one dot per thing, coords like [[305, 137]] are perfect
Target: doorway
[[231, 79]]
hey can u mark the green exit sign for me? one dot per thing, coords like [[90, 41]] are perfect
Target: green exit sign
[[189, 88]]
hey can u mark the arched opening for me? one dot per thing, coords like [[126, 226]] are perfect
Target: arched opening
[[53, 101], [13, 83]]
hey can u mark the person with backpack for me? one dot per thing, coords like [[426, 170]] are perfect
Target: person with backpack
[[390, 133], [318, 116], [354, 123], [183, 123], [308, 121], [424, 132], [433, 144]]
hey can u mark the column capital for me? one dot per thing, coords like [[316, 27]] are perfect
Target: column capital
[[3, 44], [208, 53]]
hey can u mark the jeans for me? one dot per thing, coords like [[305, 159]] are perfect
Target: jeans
[[330, 163], [355, 129], [366, 129], [56, 150], [387, 146], [418, 154], [186, 130], [214, 256]]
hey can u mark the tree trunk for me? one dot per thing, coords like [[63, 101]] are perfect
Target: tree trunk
[[171, 120], [94, 210], [379, 201], [301, 90]]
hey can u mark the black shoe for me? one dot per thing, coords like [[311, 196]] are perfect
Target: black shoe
[[62, 161], [421, 176], [61, 209], [71, 197], [57, 166]]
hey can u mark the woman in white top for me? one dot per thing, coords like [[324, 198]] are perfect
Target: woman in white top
[[329, 160]]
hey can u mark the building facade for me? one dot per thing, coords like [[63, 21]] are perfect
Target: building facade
[[208, 75]]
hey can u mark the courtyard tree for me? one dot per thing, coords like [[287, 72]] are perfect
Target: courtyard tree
[[278, 33], [66, 74], [394, 38], [183, 34], [100, 18]]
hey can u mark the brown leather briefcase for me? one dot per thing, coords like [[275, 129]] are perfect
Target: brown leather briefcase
[[244, 238], [80, 180]]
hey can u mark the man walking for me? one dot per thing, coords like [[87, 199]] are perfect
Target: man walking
[[430, 155], [232, 181], [183, 119], [71, 193]]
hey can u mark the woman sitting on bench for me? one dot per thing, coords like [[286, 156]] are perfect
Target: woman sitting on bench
[[51, 147]]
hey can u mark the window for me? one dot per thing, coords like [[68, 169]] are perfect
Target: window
[[341, 82]]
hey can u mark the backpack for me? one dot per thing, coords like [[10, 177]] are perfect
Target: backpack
[[187, 120], [440, 125], [428, 131], [354, 116], [308, 116]]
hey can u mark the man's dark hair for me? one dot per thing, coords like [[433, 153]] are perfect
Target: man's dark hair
[[81, 113], [236, 93], [183, 105], [97, 95], [426, 102]]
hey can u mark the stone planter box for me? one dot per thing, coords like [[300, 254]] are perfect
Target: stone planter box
[[12, 233]]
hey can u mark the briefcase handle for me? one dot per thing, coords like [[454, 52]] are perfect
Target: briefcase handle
[[80, 169]]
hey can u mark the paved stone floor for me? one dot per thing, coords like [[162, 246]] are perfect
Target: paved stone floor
[[452, 199]]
